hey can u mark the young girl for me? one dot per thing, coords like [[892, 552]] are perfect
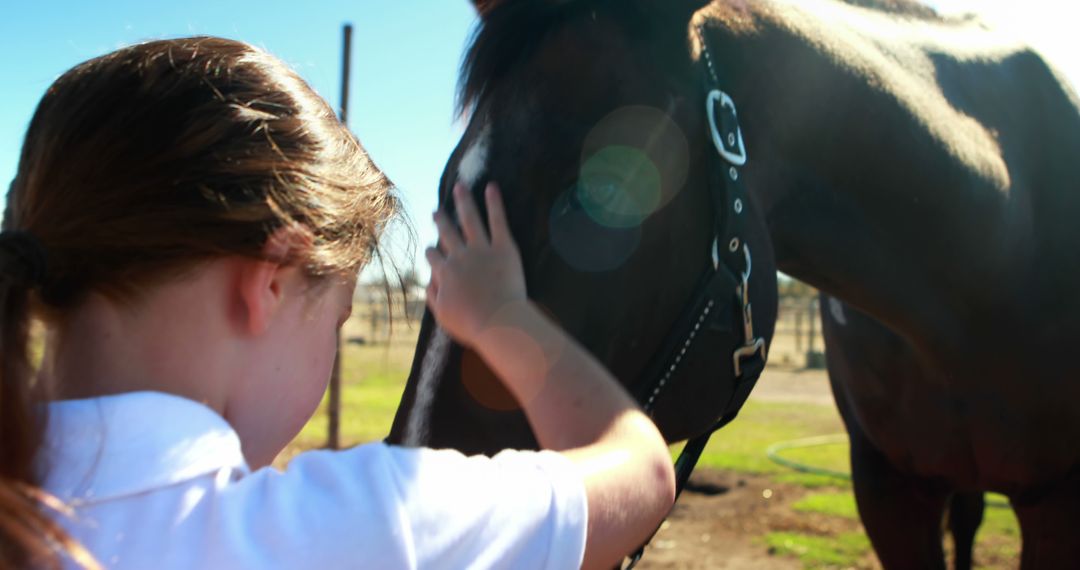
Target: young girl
[[188, 220]]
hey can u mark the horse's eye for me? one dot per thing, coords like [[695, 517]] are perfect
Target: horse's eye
[[607, 200], [591, 195], [602, 193], [599, 190], [619, 186], [567, 202], [586, 229]]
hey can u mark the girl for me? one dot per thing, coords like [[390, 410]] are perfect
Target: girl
[[188, 220]]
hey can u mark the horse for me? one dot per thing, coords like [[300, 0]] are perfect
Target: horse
[[919, 170]]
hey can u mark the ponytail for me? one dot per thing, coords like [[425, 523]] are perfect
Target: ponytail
[[29, 536]]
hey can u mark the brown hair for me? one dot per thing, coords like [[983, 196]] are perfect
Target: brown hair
[[136, 166]]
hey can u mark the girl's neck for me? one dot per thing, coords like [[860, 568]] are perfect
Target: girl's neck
[[174, 339]]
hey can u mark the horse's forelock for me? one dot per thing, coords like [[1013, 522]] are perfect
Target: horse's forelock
[[508, 32], [511, 30]]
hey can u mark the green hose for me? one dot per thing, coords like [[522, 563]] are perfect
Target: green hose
[[773, 453]]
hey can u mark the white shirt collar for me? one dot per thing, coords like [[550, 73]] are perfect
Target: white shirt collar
[[103, 448]]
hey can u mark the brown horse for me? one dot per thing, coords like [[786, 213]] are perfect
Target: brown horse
[[918, 170]]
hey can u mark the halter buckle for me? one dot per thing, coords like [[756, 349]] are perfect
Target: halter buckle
[[744, 352], [738, 156]]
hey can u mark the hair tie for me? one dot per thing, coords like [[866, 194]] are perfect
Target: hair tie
[[22, 258]]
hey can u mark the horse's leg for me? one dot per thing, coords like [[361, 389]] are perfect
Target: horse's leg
[[965, 516], [1050, 527], [902, 514]]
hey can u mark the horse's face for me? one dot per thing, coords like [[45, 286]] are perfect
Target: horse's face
[[590, 122]]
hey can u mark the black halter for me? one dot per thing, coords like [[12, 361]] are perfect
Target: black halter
[[718, 317]]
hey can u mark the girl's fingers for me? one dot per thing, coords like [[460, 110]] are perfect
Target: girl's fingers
[[435, 259], [500, 229], [468, 216], [432, 292], [449, 237]]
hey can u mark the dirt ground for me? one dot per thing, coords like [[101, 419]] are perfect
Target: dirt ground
[[718, 521], [793, 385]]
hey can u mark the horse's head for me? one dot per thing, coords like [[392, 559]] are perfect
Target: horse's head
[[590, 115]]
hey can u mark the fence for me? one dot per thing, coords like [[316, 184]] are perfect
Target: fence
[[380, 315], [797, 342], [377, 318]]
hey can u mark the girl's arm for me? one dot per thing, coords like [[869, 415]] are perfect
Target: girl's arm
[[574, 405]]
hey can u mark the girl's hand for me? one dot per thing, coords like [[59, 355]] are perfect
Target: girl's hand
[[473, 276]]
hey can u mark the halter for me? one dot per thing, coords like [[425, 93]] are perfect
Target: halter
[[719, 317]]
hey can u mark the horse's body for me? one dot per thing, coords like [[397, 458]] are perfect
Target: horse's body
[[920, 172]]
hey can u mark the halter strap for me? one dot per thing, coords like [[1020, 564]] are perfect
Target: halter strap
[[722, 289]]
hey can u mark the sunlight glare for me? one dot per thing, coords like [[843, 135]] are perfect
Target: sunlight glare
[[1046, 25]]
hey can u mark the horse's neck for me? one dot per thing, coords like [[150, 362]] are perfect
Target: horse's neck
[[889, 153]]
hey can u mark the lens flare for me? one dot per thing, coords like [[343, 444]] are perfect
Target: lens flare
[[487, 389], [633, 162], [483, 386], [585, 244], [619, 186]]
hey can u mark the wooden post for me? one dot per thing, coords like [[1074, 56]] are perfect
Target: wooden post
[[798, 329], [333, 412], [373, 317], [811, 314]]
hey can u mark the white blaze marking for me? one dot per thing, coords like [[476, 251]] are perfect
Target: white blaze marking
[[836, 309], [474, 164], [417, 429]]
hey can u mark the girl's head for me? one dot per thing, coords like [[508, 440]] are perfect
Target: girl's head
[[143, 163]]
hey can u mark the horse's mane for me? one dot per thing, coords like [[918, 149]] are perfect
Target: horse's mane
[[510, 30]]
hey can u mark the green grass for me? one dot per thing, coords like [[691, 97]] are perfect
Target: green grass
[[844, 550], [837, 503], [741, 445], [997, 541], [999, 520], [999, 535]]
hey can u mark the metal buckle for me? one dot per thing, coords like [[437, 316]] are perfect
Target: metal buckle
[[716, 95], [747, 351]]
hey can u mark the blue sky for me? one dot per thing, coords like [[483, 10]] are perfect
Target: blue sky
[[406, 55]]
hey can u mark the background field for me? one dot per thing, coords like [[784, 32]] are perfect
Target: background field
[[742, 510]]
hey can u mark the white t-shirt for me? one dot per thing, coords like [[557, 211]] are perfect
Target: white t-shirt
[[158, 481]]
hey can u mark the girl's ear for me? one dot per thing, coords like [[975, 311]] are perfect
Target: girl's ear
[[261, 284], [257, 294]]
